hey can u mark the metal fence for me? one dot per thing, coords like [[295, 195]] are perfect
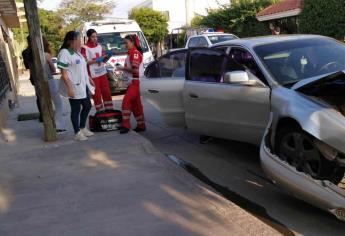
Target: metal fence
[[4, 79]]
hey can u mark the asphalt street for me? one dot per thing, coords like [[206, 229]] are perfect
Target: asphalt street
[[233, 168]]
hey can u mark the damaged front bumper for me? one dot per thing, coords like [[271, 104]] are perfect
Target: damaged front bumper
[[322, 194]]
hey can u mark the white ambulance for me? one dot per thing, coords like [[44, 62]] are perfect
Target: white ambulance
[[111, 34]]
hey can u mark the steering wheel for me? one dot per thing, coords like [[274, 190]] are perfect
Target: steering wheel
[[329, 64]]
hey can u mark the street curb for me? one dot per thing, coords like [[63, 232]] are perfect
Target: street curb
[[235, 214]]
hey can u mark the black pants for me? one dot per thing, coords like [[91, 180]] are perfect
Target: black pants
[[80, 109]]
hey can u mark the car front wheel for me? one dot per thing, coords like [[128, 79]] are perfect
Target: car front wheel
[[299, 150]]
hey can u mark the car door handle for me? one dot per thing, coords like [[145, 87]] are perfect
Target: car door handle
[[193, 95], [153, 91]]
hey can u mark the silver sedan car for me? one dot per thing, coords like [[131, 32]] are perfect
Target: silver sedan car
[[285, 94]]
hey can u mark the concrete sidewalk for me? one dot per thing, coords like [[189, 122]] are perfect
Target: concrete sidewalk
[[109, 185]]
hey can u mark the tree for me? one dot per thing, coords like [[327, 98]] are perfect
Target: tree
[[324, 18], [51, 26], [239, 18], [38, 70], [76, 12], [153, 23]]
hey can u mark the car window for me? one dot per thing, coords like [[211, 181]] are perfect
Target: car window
[[220, 38], [203, 42], [194, 42], [169, 65], [245, 58], [152, 70], [206, 65], [294, 60]]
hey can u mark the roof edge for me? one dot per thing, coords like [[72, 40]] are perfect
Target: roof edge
[[279, 15]]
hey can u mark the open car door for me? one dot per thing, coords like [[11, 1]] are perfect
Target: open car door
[[163, 84], [223, 97]]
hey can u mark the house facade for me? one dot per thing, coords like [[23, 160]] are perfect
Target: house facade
[[9, 18], [282, 16], [181, 12]]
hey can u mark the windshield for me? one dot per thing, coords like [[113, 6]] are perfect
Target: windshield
[[293, 61], [220, 38], [116, 41]]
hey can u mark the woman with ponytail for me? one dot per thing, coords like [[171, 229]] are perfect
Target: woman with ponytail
[[77, 82], [132, 71], [95, 57]]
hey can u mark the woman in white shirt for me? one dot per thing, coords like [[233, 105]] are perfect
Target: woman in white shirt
[[78, 84], [54, 89]]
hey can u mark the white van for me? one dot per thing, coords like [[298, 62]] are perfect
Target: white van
[[111, 34]]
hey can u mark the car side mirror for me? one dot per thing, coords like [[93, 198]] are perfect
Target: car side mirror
[[237, 77]]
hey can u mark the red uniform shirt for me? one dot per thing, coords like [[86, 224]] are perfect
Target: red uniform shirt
[[134, 61]]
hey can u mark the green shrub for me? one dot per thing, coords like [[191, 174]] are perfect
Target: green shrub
[[324, 18], [239, 18]]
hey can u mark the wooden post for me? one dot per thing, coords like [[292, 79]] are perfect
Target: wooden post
[[40, 74]]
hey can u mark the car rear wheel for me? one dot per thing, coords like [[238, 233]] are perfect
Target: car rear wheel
[[298, 149]]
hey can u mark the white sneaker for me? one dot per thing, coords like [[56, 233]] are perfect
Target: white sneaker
[[80, 137], [86, 132]]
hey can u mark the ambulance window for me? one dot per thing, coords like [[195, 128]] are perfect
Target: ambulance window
[[143, 43], [115, 41]]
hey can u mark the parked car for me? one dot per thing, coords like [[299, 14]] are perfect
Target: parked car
[[283, 93], [208, 39]]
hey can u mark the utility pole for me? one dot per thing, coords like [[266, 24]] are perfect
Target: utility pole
[[189, 9], [41, 84]]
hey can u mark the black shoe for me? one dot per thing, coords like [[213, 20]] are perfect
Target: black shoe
[[205, 139], [124, 130], [138, 130]]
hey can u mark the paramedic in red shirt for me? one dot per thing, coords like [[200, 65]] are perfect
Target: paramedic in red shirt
[[95, 57], [132, 70]]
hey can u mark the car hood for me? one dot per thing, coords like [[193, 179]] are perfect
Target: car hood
[[319, 81]]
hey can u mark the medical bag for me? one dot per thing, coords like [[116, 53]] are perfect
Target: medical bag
[[102, 121]]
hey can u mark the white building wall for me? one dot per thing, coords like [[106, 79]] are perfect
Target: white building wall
[[181, 12], [176, 9]]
